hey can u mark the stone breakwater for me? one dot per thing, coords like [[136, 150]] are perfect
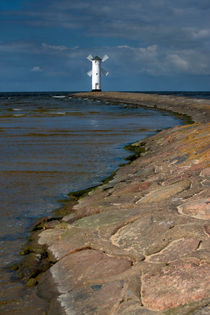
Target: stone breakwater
[[198, 109], [140, 242]]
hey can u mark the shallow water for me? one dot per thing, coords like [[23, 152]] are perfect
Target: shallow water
[[51, 145]]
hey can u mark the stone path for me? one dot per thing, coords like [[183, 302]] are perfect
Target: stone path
[[198, 109], [139, 244]]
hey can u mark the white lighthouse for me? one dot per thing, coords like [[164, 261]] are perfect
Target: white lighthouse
[[96, 71]]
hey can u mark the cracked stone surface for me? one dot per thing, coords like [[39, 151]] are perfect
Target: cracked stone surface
[[176, 284], [93, 299], [87, 266], [139, 244], [165, 192], [82, 281], [176, 250], [198, 209]]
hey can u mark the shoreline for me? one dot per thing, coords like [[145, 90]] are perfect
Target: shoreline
[[63, 249], [197, 110]]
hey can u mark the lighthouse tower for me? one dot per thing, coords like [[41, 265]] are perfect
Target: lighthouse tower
[[96, 71]]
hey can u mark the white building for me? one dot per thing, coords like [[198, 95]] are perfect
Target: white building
[[96, 71]]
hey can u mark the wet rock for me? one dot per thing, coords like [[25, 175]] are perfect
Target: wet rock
[[45, 223], [31, 282], [39, 223], [32, 265], [139, 244]]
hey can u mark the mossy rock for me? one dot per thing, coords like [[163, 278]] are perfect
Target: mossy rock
[[31, 282], [32, 245], [138, 149], [187, 309], [32, 265], [44, 223]]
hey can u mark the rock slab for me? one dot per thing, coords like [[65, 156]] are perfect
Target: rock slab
[[139, 244]]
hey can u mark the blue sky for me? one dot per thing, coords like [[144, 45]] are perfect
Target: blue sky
[[152, 44]]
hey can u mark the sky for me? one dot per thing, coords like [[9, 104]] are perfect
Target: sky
[[153, 45]]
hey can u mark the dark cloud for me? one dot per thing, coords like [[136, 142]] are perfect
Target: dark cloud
[[143, 37]]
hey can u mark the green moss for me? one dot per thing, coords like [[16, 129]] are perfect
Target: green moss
[[76, 195], [32, 247], [14, 267], [63, 211], [7, 302], [109, 178], [137, 150], [31, 282], [32, 265], [43, 223], [187, 309], [186, 119], [68, 204]]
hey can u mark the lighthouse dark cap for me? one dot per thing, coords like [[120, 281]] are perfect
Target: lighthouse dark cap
[[97, 58]]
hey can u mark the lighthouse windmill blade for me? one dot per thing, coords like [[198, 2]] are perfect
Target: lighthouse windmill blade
[[106, 73], [90, 57], [105, 57]]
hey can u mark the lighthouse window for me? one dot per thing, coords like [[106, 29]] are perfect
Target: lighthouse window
[[96, 73]]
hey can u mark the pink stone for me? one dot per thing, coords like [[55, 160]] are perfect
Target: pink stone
[[199, 209], [165, 192], [86, 266], [205, 172], [207, 229], [176, 284], [92, 299], [145, 185], [175, 250]]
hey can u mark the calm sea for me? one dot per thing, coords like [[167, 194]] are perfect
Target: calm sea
[[50, 145]]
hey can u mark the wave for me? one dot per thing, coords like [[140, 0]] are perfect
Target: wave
[[59, 96]]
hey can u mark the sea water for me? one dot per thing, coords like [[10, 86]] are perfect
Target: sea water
[[50, 145]]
